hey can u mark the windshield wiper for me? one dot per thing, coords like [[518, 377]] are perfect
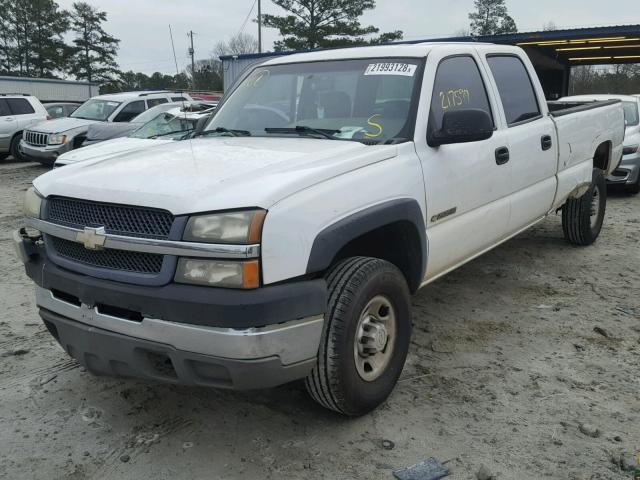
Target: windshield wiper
[[170, 133], [233, 133], [304, 130]]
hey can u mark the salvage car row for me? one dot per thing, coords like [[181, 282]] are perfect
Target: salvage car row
[[30, 130]]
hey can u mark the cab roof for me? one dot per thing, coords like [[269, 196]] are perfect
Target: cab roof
[[417, 50]]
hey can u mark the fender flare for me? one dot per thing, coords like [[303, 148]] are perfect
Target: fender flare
[[333, 238]]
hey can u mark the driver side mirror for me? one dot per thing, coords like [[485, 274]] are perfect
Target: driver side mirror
[[462, 126]]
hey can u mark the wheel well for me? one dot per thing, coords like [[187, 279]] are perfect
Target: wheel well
[[77, 142], [398, 243], [17, 134], [602, 156]]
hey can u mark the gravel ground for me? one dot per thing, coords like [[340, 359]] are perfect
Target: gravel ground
[[505, 370]]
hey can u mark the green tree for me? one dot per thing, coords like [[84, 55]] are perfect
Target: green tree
[[491, 18], [7, 43], [311, 24], [94, 51], [36, 28]]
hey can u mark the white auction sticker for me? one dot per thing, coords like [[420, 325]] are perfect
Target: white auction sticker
[[405, 69]]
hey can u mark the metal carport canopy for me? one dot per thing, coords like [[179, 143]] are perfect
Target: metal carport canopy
[[554, 52]]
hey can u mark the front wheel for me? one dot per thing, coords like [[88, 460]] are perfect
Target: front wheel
[[366, 336], [582, 217], [15, 148]]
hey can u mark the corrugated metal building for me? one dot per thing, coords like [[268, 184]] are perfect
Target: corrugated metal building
[[552, 52], [48, 90], [234, 65]]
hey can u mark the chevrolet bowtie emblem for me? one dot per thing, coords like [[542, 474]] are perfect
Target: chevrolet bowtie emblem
[[92, 238]]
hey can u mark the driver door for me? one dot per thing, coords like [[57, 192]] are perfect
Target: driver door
[[467, 184]]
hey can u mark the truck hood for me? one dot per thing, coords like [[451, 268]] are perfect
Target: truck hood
[[108, 149], [60, 125], [213, 173]]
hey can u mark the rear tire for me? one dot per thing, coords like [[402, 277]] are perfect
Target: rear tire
[[582, 217], [3, 156], [366, 336], [15, 148]]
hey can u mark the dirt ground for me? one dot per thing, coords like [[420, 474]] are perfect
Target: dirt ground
[[504, 368]]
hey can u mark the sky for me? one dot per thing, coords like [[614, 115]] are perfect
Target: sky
[[143, 25]]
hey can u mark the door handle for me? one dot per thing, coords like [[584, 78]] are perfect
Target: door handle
[[8, 119], [546, 142], [502, 155]]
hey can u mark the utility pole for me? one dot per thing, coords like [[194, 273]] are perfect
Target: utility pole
[[193, 61], [259, 26]]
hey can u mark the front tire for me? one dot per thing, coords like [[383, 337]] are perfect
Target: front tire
[[15, 148], [366, 336], [582, 217]]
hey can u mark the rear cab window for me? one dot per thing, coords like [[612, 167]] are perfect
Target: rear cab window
[[516, 90], [458, 85], [20, 106]]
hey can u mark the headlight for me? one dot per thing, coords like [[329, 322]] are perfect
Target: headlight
[[231, 227], [629, 149], [32, 203], [57, 139], [219, 273]]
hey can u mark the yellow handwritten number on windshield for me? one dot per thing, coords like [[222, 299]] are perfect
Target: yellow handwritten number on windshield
[[371, 123]]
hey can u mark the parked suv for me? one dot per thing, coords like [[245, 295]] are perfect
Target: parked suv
[[17, 112], [45, 141]]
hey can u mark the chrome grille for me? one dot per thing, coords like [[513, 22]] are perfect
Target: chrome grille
[[123, 220], [36, 139], [122, 260]]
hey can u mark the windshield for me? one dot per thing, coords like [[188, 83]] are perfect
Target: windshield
[[631, 113], [165, 124], [95, 110], [364, 100]]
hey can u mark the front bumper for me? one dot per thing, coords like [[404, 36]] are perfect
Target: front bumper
[[46, 155], [107, 337], [627, 173]]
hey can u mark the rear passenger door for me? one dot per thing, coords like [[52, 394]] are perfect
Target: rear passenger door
[[23, 112], [532, 140], [7, 125], [467, 189]]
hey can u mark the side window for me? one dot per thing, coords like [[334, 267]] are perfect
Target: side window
[[130, 111], [20, 106], [458, 85], [56, 112], [156, 101], [4, 108], [515, 88]]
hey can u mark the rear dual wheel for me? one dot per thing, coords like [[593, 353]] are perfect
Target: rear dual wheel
[[365, 338], [582, 217]]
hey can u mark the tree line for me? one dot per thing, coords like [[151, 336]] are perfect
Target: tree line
[[32, 41]]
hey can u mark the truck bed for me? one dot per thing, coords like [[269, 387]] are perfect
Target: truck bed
[[559, 108]]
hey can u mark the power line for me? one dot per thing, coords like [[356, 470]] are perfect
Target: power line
[[247, 17]]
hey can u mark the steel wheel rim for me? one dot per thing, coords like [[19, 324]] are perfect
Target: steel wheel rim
[[595, 207], [375, 338]]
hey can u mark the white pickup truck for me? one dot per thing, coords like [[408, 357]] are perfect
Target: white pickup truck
[[285, 241]]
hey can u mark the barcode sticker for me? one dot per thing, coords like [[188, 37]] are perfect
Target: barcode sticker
[[404, 69]]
